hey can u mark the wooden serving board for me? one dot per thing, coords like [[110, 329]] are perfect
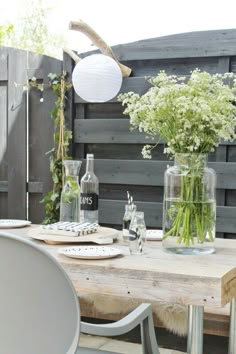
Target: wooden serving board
[[104, 236]]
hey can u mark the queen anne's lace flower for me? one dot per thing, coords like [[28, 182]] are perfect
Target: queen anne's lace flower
[[190, 116]]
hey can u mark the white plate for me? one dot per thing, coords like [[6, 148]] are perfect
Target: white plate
[[154, 235], [11, 223], [90, 252]]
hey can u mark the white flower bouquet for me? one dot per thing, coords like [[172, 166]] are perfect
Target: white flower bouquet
[[192, 116]]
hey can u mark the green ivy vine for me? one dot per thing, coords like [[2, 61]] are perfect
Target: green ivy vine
[[61, 137]]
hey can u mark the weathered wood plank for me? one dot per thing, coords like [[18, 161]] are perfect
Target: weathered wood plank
[[107, 131], [151, 173], [119, 151], [3, 131], [137, 84], [223, 65], [35, 187], [4, 64], [226, 220], [182, 66], [231, 198], [231, 156], [183, 45], [210, 283], [226, 174], [115, 131], [17, 135], [144, 172], [112, 211], [139, 192], [68, 66], [233, 64], [81, 152], [146, 193], [206, 44], [110, 110], [3, 186]]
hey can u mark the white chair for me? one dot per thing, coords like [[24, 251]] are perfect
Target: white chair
[[39, 308]]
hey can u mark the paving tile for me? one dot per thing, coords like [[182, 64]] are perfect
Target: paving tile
[[94, 342], [122, 347], [117, 346], [170, 351]]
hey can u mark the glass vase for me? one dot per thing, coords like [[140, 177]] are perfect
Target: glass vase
[[189, 208], [70, 195]]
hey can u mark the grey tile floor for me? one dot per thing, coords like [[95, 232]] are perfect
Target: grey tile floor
[[116, 346]]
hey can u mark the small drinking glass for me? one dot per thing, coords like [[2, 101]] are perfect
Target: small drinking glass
[[137, 233], [129, 210]]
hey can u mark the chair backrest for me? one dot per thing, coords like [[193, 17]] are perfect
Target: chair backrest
[[39, 309]]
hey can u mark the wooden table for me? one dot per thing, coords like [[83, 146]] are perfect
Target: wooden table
[[196, 281]]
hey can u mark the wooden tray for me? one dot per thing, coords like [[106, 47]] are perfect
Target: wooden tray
[[104, 236]]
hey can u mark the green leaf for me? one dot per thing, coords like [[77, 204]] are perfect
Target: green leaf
[[54, 196]]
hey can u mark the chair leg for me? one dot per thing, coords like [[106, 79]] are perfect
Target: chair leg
[[148, 336]]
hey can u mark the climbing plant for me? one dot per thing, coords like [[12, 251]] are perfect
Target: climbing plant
[[61, 137]]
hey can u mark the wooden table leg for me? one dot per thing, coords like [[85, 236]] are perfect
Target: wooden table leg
[[195, 329], [232, 327]]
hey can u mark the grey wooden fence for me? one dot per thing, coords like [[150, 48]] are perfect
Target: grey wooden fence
[[26, 133], [102, 129]]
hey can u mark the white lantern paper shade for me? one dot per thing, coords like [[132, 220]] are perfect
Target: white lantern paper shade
[[97, 78]]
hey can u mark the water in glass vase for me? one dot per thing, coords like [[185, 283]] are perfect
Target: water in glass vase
[[192, 234], [70, 210], [189, 208]]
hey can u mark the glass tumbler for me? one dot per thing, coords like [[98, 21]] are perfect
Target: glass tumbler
[[129, 211], [137, 233]]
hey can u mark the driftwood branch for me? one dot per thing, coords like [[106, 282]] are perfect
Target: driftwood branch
[[72, 54], [98, 42]]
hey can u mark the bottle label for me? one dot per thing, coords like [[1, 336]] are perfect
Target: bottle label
[[88, 201]]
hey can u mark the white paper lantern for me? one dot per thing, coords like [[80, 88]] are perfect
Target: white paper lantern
[[97, 78]]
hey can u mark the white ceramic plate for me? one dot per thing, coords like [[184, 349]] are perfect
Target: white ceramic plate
[[154, 235], [11, 223], [90, 252]]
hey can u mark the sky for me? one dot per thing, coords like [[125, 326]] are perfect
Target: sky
[[126, 21]]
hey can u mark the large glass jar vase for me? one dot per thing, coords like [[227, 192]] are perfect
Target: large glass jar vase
[[189, 208], [70, 195]]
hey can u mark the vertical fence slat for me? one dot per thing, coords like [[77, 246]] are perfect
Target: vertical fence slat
[[68, 66], [3, 149], [17, 77]]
